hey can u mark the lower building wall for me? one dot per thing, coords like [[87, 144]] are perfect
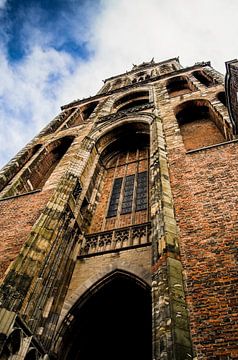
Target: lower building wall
[[17, 216], [204, 184]]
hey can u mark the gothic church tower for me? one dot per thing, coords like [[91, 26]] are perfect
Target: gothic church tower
[[118, 225]]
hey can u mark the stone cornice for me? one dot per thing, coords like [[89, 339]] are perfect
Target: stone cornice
[[135, 85]]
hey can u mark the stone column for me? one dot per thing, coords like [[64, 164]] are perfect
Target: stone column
[[171, 334]]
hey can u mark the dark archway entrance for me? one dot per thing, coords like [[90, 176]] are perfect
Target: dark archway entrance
[[114, 322]]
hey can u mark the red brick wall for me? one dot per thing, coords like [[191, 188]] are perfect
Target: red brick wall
[[206, 132], [205, 188], [17, 216]]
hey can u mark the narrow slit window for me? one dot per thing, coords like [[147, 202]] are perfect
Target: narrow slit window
[[141, 191], [128, 194], [113, 206]]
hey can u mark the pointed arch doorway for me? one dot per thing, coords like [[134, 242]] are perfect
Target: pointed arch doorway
[[112, 321]]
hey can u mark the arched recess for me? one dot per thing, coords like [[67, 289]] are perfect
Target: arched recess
[[14, 341], [204, 78], [121, 177], [179, 85], [11, 169], [115, 208], [88, 109], [221, 96], [45, 165], [112, 319], [132, 99], [39, 169], [32, 354], [199, 124]]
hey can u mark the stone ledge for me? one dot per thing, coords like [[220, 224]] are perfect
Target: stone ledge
[[18, 195], [114, 250], [211, 146]]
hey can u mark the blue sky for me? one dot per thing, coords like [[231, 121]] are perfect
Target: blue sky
[[55, 51], [51, 23]]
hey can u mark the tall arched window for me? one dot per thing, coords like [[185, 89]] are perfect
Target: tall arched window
[[199, 125], [125, 182], [119, 209]]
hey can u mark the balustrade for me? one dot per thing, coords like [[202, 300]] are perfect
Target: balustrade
[[135, 235]]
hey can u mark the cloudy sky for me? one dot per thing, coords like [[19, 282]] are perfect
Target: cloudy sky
[[55, 51]]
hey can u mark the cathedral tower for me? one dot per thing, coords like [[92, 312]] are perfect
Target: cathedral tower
[[119, 221]]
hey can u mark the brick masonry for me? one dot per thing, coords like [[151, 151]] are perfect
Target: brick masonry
[[16, 221], [203, 185], [192, 263]]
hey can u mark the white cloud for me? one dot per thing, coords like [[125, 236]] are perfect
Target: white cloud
[[28, 97], [2, 4], [119, 34]]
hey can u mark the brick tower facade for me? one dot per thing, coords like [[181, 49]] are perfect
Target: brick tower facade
[[119, 223]]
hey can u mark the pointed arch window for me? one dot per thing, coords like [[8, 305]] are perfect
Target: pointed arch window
[[123, 191]]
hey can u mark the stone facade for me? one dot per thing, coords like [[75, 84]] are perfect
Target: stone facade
[[130, 192]]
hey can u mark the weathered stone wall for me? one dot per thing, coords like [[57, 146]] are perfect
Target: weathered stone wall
[[92, 269]]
